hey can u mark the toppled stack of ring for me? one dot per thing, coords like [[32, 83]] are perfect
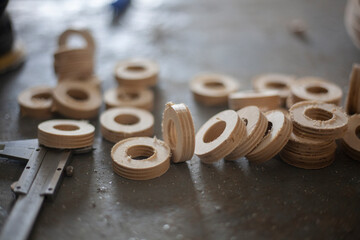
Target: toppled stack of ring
[[314, 89], [219, 136], [178, 131], [275, 82], [351, 139], [140, 158], [316, 126], [213, 89], [76, 100], [66, 134], [353, 97], [120, 123], [352, 21], [36, 102], [266, 100], [77, 63]]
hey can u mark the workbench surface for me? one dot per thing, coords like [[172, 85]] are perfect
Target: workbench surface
[[225, 200]]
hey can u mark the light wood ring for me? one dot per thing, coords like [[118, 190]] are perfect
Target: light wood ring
[[351, 137], [266, 100], [62, 41], [36, 102]]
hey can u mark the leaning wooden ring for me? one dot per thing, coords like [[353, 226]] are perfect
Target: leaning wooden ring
[[125, 152], [178, 131], [120, 123], [137, 72], [219, 136], [36, 102], [122, 97], [351, 137], [62, 40], [213, 89]]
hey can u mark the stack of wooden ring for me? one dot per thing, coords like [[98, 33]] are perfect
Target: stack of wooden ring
[[135, 77], [316, 126], [353, 97], [265, 100], [351, 139], [140, 158], [352, 21], [36, 102], [74, 63], [120, 123], [66, 134], [213, 89], [279, 83], [314, 89]]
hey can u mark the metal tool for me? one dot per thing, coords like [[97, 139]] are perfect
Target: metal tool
[[39, 180]]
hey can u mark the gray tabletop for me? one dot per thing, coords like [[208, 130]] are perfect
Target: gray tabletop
[[226, 200]]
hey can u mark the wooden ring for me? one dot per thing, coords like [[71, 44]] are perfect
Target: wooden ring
[[76, 100], [219, 136], [213, 89], [351, 139], [276, 82], [129, 97], [62, 41], [36, 102], [353, 97], [256, 124], [178, 131], [66, 134], [140, 158], [267, 100], [318, 120], [315, 89], [120, 123], [137, 73], [276, 137]]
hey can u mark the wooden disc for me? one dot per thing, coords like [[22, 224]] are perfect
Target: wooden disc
[[266, 100], [277, 82], [85, 34], [66, 134], [315, 89], [76, 100], [212, 89], [277, 135], [256, 124], [94, 80], [219, 136], [352, 137], [120, 123], [353, 97], [178, 131], [129, 97], [318, 120], [36, 102], [140, 158], [137, 72]]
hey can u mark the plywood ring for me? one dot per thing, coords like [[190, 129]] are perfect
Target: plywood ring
[[266, 100], [353, 97], [256, 124], [62, 40], [137, 72], [36, 102], [121, 123], [278, 134], [212, 89], [76, 100], [66, 134], [129, 97], [178, 131], [318, 120], [352, 137], [154, 158], [219, 136]]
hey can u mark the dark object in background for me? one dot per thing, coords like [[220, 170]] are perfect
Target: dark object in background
[[3, 4], [6, 34]]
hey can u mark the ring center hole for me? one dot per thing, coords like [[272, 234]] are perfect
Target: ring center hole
[[127, 96], [318, 114], [276, 85], [172, 134], [317, 90], [214, 131], [76, 41], [77, 94], [135, 68], [41, 97], [127, 119], [357, 132], [66, 127], [140, 152], [245, 121], [268, 129], [215, 84]]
